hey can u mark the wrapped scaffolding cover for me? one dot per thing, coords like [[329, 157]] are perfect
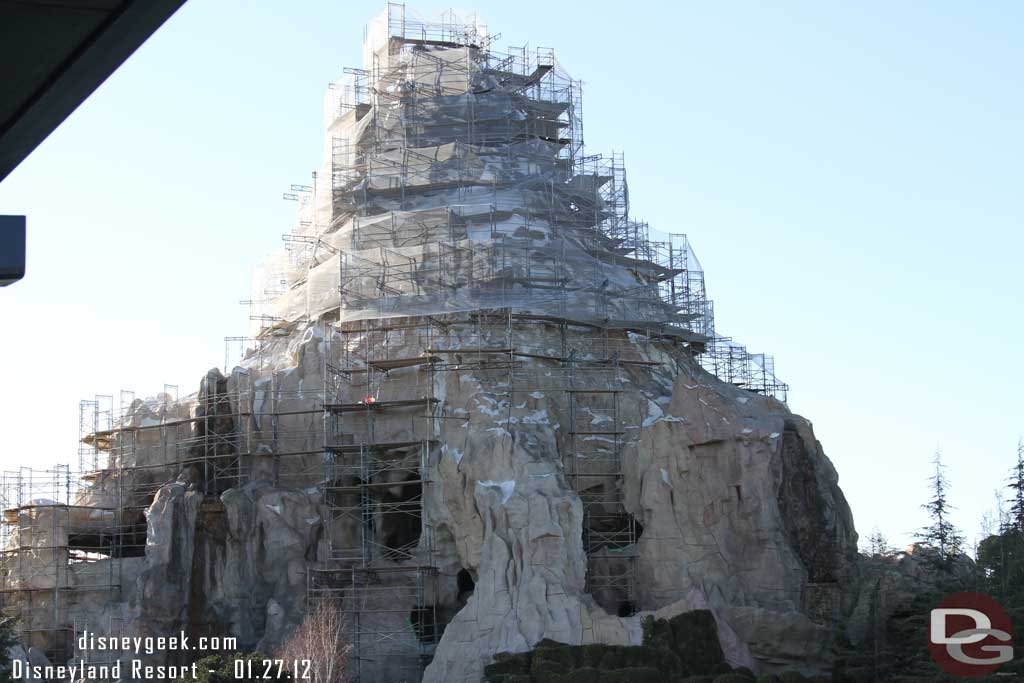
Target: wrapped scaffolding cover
[[457, 183]]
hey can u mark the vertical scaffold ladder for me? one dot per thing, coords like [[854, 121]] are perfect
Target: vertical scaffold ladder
[[596, 438], [371, 580]]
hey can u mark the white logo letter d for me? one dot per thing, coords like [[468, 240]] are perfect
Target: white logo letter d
[[937, 632]]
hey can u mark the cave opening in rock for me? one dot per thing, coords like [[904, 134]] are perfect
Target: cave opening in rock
[[611, 540], [401, 521], [627, 608], [465, 585], [614, 530], [424, 623]]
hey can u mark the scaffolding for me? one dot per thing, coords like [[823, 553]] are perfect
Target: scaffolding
[[596, 437], [461, 214], [378, 444], [64, 534], [456, 225], [384, 632], [455, 180], [509, 354], [56, 553], [732, 363]]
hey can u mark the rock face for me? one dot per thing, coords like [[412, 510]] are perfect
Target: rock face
[[891, 583], [482, 415], [227, 566], [740, 513]]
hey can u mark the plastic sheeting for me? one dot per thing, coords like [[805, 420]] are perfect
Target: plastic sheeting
[[451, 183]]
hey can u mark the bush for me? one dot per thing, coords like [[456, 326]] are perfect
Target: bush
[[550, 660], [613, 657], [692, 636], [732, 678], [320, 638], [584, 675], [639, 674], [8, 638], [556, 652], [684, 648], [508, 664], [792, 677]]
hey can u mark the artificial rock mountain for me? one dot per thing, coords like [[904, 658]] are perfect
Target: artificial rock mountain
[[485, 408]]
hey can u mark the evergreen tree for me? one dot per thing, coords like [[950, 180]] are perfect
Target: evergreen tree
[[1016, 485], [942, 534], [1001, 515], [8, 638], [878, 544]]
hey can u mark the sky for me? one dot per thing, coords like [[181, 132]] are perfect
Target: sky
[[848, 173]]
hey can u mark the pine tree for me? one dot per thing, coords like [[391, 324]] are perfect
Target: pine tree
[[8, 639], [942, 534], [1015, 519], [1002, 517], [878, 544], [991, 551]]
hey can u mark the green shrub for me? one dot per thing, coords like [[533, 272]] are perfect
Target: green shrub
[[584, 674], [683, 648], [592, 654], [506, 663], [511, 678], [637, 674], [792, 677], [8, 639], [692, 636], [551, 658], [732, 678], [638, 656]]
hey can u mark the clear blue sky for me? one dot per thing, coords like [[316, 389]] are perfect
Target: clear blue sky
[[850, 175]]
